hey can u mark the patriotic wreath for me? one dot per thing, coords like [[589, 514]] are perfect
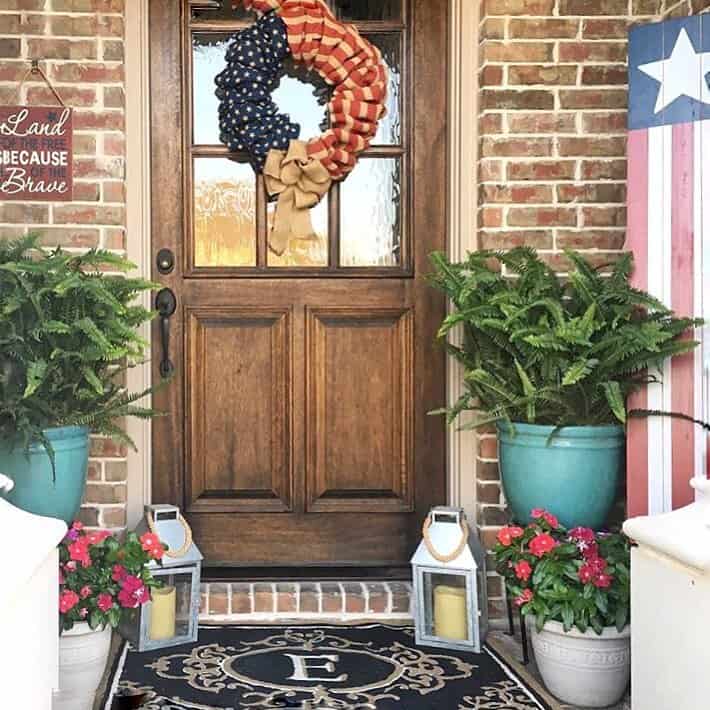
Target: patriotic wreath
[[299, 173]]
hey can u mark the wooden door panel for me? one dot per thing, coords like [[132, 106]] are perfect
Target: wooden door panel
[[312, 540], [359, 409], [296, 430], [239, 409]]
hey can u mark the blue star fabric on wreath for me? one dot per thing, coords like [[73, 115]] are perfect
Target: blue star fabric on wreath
[[249, 120]]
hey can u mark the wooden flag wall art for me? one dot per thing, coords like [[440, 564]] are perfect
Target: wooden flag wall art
[[36, 153]]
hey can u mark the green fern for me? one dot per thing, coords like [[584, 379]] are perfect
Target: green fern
[[65, 324], [545, 350]]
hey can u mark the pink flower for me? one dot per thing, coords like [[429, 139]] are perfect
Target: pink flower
[[83, 612], [77, 525], [525, 597], [79, 552], [105, 602], [597, 564], [149, 540], [582, 534], [72, 535], [68, 600], [118, 573], [523, 570], [96, 537], [549, 518], [152, 545], [585, 574], [85, 591], [509, 533], [541, 544], [133, 592], [70, 566], [603, 581]]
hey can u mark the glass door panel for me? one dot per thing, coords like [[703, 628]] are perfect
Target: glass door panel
[[373, 10], [224, 213], [371, 214], [389, 130], [208, 52]]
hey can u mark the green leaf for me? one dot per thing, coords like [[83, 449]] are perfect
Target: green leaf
[[567, 617], [95, 619], [114, 616], [615, 399], [622, 617], [93, 380], [35, 375], [578, 371]]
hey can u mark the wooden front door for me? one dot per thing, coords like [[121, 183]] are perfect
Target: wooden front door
[[297, 430]]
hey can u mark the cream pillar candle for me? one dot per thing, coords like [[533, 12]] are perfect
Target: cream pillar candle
[[162, 614], [450, 617]]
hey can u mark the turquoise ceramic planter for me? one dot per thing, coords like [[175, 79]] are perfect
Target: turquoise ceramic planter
[[34, 490], [573, 475]]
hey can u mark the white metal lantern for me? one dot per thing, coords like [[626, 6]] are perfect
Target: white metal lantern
[[171, 617], [449, 573]]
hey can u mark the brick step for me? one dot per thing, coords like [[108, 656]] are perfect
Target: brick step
[[332, 600]]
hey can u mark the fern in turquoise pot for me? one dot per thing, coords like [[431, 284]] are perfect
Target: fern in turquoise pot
[[550, 361], [67, 331]]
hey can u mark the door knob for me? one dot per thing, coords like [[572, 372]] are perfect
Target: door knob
[[165, 304]]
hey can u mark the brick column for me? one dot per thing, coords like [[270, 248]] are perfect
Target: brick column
[[80, 47]]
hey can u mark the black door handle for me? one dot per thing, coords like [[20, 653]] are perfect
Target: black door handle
[[165, 304]]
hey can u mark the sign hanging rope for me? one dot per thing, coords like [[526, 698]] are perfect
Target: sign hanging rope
[[299, 172]]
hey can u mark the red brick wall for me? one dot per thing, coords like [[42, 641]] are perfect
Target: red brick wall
[[80, 45], [552, 129]]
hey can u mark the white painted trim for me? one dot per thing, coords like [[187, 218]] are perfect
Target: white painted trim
[[138, 244], [463, 95]]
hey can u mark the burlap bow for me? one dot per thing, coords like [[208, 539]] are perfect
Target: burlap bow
[[300, 182]]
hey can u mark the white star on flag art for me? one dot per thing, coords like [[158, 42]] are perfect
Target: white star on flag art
[[682, 74], [668, 232]]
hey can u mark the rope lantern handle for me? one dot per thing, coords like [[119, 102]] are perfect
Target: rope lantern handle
[[430, 545], [188, 535]]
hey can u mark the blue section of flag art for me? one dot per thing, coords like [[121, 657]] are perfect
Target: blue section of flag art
[[669, 72]]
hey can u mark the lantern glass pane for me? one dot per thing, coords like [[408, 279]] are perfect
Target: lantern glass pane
[[445, 605], [169, 610]]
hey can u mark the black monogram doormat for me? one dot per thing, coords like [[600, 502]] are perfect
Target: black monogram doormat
[[368, 667]]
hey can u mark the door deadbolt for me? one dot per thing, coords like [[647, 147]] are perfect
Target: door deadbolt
[[165, 261]]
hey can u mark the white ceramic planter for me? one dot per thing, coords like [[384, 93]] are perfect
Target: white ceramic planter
[[82, 659], [583, 669]]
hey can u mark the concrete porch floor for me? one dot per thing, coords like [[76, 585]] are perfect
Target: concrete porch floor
[[511, 648]]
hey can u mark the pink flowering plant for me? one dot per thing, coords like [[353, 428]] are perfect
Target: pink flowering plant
[[577, 577], [102, 578]]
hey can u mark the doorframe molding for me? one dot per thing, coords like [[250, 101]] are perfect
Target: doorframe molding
[[138, 234], [462, 207]]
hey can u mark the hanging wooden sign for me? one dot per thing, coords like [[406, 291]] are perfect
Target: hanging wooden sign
[[36, 155]]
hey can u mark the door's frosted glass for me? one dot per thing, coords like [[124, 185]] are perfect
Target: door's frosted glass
[[222, 10], [304, 252], [208, 52], [382, 10], [389, 131], [224, 213], [371, 214]]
